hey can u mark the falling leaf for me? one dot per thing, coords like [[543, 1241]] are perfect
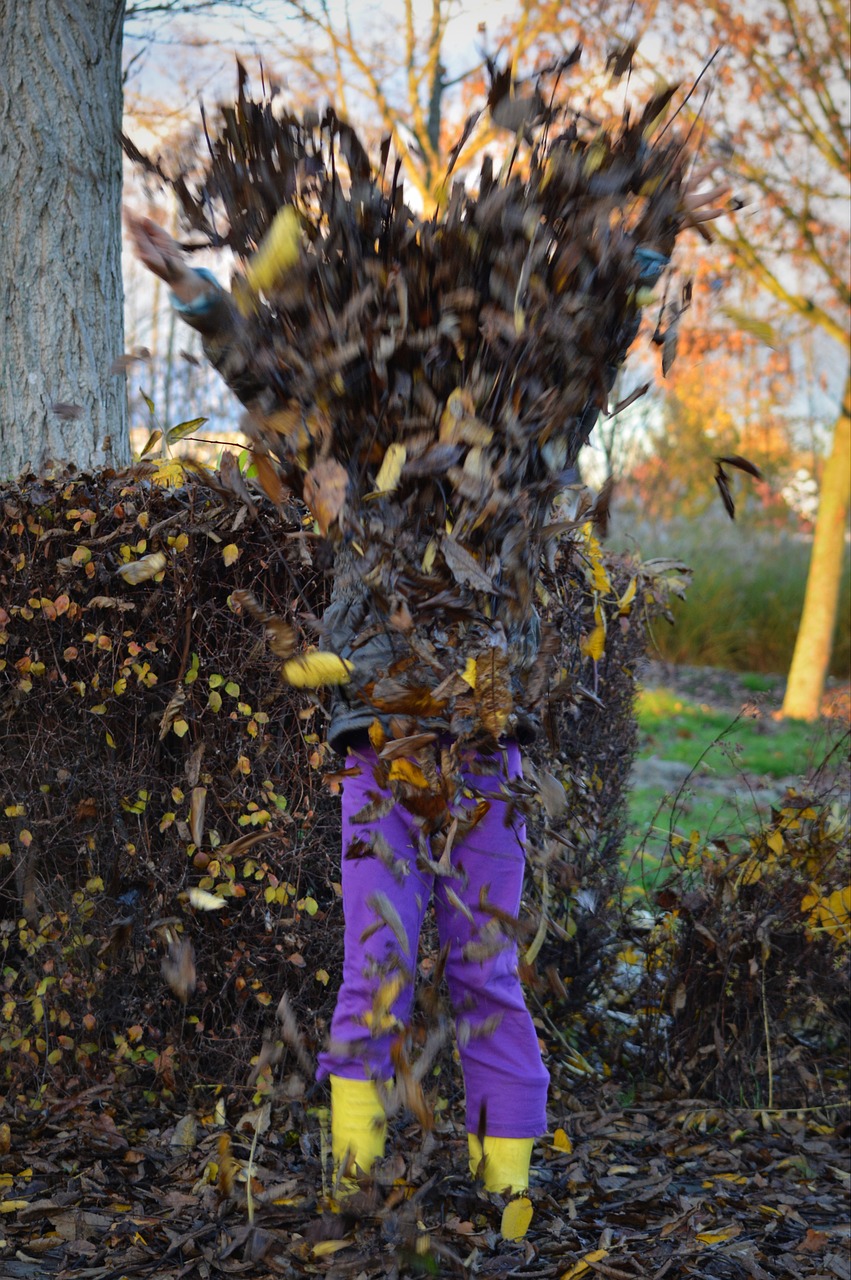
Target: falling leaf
[[142, 570], [204, 901], [230, 554], [178, 968], [464, 568], [172, 712], [552, 794], [406, 771], [516, 1218], [325, 487], [385, 910], [196, 813], [277, 253], [314, 670], [390, 471]]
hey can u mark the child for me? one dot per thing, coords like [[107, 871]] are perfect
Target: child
[[422, 817], [505, 1078]]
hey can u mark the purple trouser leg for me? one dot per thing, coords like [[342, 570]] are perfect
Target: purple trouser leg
[[506, 1081]]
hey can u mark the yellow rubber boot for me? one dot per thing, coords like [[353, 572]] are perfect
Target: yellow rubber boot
[[505, 1170], [358, 1126], [506, 1160]]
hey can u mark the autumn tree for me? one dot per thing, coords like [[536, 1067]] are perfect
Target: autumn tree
[[778, 123], [402, 87]]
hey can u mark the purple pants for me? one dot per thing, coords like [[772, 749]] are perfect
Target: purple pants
[[503, 1071]]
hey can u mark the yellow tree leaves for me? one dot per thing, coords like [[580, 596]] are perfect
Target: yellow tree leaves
[[829, 913]]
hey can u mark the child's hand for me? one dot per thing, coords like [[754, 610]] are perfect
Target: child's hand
[[695, 202], [162, 255]]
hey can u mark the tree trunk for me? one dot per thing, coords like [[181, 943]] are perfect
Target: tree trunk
[[60, 250], [814, 642]]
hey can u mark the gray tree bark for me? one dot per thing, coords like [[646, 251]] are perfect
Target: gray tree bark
[[61, 303]]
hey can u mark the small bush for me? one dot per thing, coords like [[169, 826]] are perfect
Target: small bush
[[748, 966], [149, 749]]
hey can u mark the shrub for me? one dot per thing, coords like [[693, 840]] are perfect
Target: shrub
[[149, 749], [748, 966]]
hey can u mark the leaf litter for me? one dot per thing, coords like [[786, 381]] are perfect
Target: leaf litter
[[106, 1185]]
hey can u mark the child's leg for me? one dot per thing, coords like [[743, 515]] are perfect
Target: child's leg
[[376, 994], [506, 1081]]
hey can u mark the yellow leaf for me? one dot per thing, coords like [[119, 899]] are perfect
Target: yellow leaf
[[407, 771], [469, 673], [12, 1206], [561, 1142], [322, 976], [390, 471], [516, 1217], [326, 1247], [834, 913], [584, 1264], [183, 429], [204, 901], [278, 251], [627, 597], [429, 556], [168, 474], [180, 727], [775, 842], [312, 670], [593, 646], [141, 570], [718, 1237], [230, 554]]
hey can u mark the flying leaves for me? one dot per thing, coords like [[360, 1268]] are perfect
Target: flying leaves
[[315, 670], [723, 480], [178, 968], [325, 487], [142, 570]]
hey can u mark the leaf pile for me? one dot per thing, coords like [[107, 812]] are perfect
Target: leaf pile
[[424, 384]]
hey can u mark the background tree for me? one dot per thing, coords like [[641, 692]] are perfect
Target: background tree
[[780, 123], [402, 86], [61, 399], [60, 252]]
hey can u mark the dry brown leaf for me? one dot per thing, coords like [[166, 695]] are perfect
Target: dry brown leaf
[[325, 487]]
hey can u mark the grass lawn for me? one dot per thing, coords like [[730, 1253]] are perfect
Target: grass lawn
[[739, 767]]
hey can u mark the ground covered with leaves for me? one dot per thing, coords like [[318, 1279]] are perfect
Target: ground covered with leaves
[[107, 1185]]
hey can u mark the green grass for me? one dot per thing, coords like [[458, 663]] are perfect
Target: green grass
[[738, 770], [673, 728]]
